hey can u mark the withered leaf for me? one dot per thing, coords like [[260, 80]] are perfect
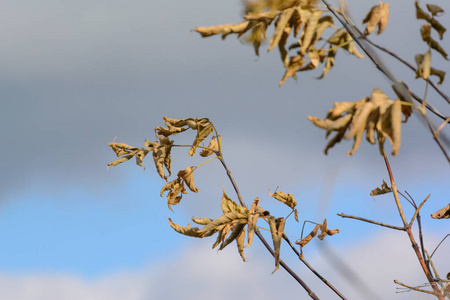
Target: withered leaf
[[342, 39], [276, 229], [188, 178], [420, 14], [324, 231], [384, 189], [204, 128], [176, 190], [434, 9], [287, 199], [127, 152], [377, 16], [188, 230], [376, 113], [280, 26], [443, 213], [423, 62], [225, 29], [161, 156], [294, 65], [212, 147], [425, 31], [304, 241]]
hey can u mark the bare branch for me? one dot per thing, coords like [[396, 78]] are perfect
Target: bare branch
[[414, 288], [371, 221]]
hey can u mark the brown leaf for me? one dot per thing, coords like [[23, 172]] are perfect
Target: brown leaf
[[377, 16], [204, 129], [384, 189], [287, 199], [425, 31], [443, 213], [127, 152], [188, 230], [280, 26], [277, 229], [325, 231], [188, 178], [303, 242], [342, 39], [434, 9], [423, 65], [176, 190], [225, 29], [161, 156], [374, 114], [420, 14], [295, 64], [212, 147]]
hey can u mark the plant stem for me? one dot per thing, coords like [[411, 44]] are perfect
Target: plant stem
[[371, 221], [430, 279], [260, 236]]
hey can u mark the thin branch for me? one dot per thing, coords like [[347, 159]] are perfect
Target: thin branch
[[371, 221], [439, 244], [416, 214], [303, 260], [422, 263], [414, 288], [436, 274], [260, 236], [408, 65]]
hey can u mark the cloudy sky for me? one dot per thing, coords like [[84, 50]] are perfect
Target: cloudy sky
[[76, 74]]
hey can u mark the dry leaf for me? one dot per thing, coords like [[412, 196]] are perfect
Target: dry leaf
[[325, 231], [443, 213], [377, 16], [127, 152], [342, 39], [188, 178], [277, 229], [434, 9], [376, 113], [176, 190], [303, 242], [425, 31], [161, 156], [212, 147], [384, 189], [287, 199], [420, 14]]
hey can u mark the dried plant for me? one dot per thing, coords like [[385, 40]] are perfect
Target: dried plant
[[299, 34]]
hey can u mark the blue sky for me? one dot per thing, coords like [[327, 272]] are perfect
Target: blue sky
[[76, 74]]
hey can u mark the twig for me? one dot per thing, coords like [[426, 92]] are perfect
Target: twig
[[422, 263], [408, 65], [416, 214], [371, 221], [399, 87], [303, 260], [439, 244], [436, 274], [414, 288], [260, 236]]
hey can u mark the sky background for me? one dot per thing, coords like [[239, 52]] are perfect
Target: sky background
[[76, 74]]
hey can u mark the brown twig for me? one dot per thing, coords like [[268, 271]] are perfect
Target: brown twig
[[422, 263], [443, 95], [371, 221], [416, 213], [303, 260], [414, 288], [260, 236]]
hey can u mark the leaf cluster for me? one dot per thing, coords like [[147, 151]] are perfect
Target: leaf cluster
[[372, 114], [423, 61], [301, 20]]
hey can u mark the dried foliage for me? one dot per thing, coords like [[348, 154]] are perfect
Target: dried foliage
[[324, 231], [373, 114], [384, 190], [298, 26], [377, 16], [443, 213]]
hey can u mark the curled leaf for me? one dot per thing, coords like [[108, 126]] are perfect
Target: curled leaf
[[212, 147], [276, 229], [325, 231], [377, 16], [384, 189], [304, 241], [161, 156], [425, 31], [176, 190], [443, 213], [287, 199], [188, 178], [376, 113], [126, 152]]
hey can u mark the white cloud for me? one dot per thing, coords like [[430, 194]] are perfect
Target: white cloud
[[200, 272]]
